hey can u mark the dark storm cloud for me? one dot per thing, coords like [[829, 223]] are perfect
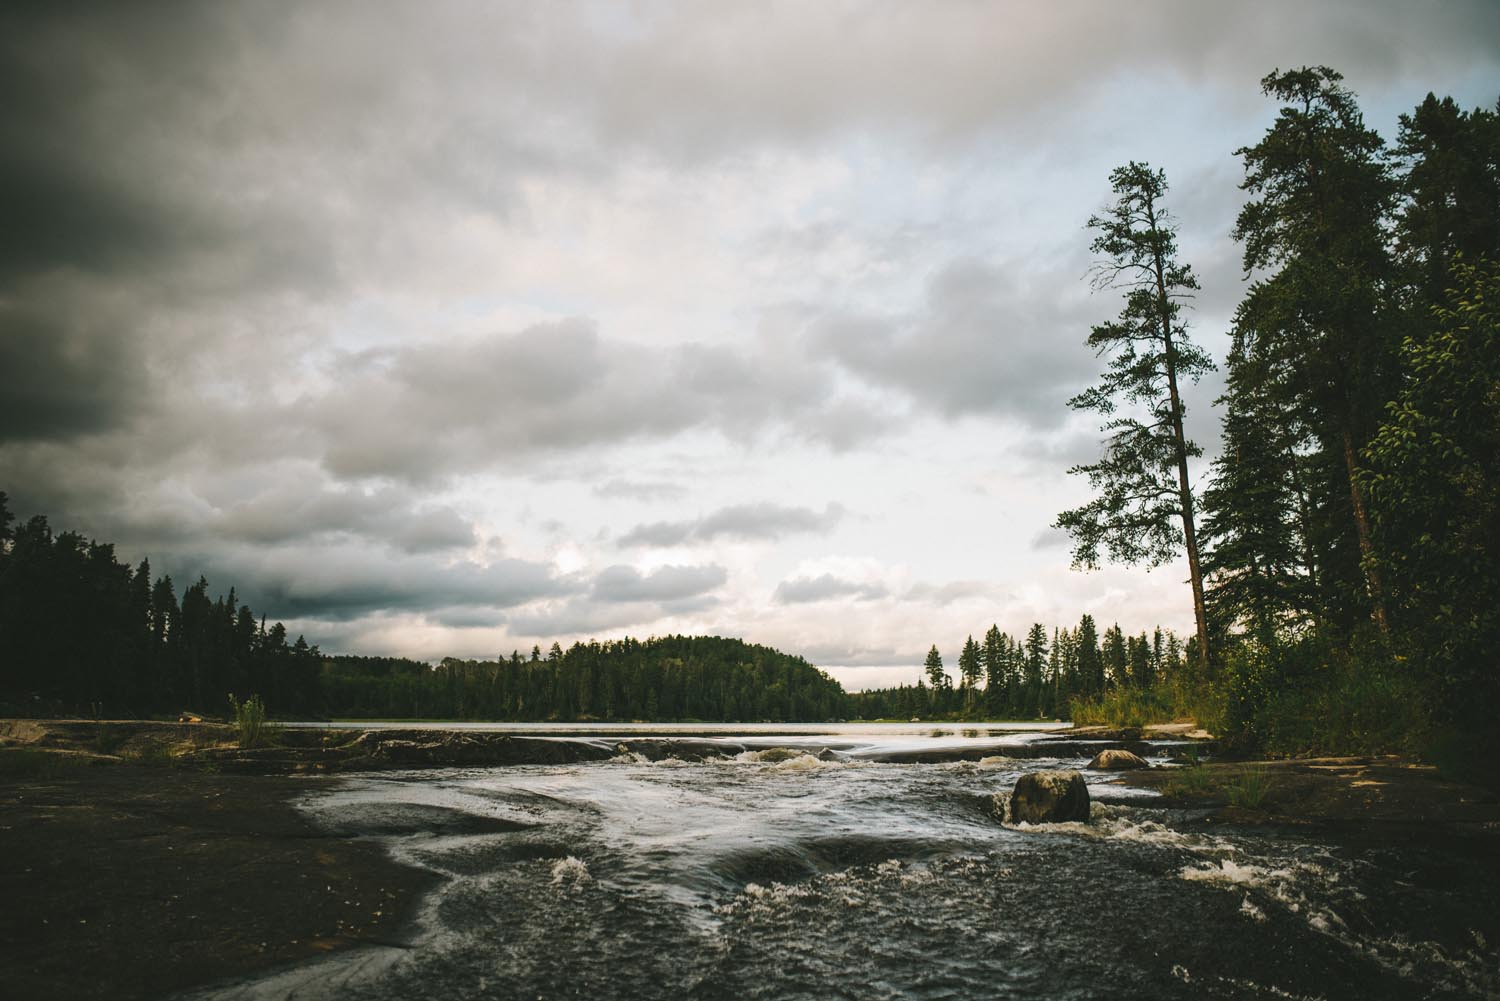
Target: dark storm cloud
[[804, 590], [762, 522], [343, 581], [63, 376]]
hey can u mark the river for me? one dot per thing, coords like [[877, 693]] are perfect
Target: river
[[833, 862]]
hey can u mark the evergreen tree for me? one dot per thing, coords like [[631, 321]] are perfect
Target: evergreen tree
[[1115, 657], [1450, 194], [969, 669], [1090, 661], [1036, 665], [1143, 511], [1322, 194], [1434, 481]]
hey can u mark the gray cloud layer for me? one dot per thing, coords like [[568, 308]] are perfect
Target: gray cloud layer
[[743, 522], [803, 590], [198, 201]]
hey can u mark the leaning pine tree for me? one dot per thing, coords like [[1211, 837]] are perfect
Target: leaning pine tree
[[1143, 508]]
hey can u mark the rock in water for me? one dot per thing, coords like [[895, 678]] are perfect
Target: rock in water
[[1116, 760], [1049, 798]]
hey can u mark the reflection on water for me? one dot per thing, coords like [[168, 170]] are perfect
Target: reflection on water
[[783, 873]]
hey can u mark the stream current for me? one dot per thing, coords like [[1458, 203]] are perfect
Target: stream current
[[849, 862]]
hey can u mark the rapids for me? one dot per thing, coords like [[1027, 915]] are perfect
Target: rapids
[[840, 864]]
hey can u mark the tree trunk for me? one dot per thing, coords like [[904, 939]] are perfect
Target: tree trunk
[[1366, 546], [1184, 489]]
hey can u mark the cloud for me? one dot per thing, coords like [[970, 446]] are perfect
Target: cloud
[[981, 343], [1050, 538], [803, 590], [951, 592], [664, 584], [64, 375], [640, 490], [320, 319], [344, 581], [763, 522]]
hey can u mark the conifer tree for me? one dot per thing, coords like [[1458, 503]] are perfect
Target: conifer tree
[[1322, 194], [1143, 510]]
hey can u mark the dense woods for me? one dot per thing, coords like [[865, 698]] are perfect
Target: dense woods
[[1350, 567], [81, 633], [666, 678], [1039, 676]]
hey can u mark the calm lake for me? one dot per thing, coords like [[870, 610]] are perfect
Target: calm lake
[[822, 862]]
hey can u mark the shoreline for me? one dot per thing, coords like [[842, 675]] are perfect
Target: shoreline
[[1384, 792], [135, 879]]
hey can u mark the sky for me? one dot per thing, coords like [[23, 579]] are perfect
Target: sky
[[447, 329]]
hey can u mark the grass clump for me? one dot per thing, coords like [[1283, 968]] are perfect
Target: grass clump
[[250, 723], [1248, 789], [1192, 782]]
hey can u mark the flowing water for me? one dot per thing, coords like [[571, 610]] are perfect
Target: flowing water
[[857, 863]]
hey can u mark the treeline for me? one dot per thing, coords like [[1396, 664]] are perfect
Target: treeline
[[1035, 677], [1345, 556], [81, 632], [664, 678]]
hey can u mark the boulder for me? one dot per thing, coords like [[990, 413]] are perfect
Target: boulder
[[1049, 798], [1115, 760]]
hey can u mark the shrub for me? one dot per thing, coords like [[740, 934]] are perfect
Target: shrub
[[1306, 697], [250, 721]]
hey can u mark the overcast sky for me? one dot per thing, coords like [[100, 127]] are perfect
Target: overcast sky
[[447, 329]]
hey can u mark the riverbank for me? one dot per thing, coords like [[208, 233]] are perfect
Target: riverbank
[[130, 881], [1385, 790], [145, 858]]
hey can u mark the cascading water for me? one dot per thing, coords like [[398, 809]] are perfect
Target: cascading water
[[816, 867]]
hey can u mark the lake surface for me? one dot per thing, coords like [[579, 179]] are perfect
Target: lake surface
[[801, 864]]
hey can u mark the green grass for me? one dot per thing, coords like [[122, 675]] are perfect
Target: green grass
[[1192, 782], [1248, 788]]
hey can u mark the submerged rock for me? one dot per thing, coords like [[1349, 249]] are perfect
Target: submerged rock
[[1049, 798], [1115, 760]]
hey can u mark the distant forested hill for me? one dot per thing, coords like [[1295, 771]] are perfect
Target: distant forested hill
[[667, 678], [82, 633]]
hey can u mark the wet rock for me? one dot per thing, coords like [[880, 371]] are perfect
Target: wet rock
[[1049, 798], [1114, 760], [659, 749]]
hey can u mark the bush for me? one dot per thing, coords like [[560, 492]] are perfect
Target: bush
[[1307, 697], [250, 721]]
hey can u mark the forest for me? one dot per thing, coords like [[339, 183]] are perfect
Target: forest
[[83, 634], [1344, 554]]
